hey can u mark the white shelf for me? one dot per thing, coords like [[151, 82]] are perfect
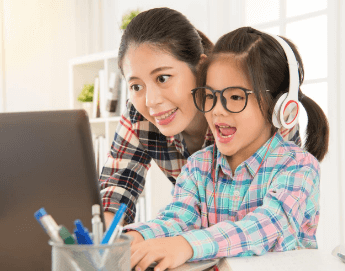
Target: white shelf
[[100, 120], [90, 59], [84, 70]]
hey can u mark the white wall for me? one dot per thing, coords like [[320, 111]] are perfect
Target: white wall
[[2, 60], [38, 40], [341, 120]]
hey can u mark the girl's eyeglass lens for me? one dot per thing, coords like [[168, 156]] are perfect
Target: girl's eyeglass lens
[[233, 99]]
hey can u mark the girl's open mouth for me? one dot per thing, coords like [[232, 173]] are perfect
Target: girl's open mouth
[[225, 133]]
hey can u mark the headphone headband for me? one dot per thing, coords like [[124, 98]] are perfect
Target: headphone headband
[[293, 67], [289, 100]]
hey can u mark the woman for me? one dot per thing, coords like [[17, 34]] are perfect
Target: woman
[[159, 56]]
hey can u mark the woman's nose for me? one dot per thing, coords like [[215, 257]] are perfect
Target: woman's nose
[[153, 96]]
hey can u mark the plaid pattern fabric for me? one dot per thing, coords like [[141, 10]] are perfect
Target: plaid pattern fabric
[[136, 142], [275, 210]]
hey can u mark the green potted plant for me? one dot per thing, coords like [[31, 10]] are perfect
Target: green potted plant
[[128, 17], [86, 98]]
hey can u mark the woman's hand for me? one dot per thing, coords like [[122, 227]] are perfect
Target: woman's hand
[[168, 252], [137, 237]]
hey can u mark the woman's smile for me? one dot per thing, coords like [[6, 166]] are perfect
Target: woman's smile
[[161, 89], [164, 118]]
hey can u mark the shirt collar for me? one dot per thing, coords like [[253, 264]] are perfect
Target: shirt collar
[[254, 161], [170, 140]]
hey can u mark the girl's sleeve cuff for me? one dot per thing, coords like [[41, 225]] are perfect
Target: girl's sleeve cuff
[[142, 228], [203, 244]]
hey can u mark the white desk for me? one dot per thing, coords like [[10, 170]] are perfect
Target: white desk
[[297, 260]]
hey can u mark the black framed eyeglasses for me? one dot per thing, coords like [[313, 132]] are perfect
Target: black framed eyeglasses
[[233, 99]]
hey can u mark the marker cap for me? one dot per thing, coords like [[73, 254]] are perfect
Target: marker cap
[[41, 212], [96, 209]]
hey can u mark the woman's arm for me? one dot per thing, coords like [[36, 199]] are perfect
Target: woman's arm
[[182, 214], [123, 175]]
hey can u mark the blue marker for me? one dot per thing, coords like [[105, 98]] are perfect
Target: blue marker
[[82, 234], [49, 225], [112, 232], [52, 229]]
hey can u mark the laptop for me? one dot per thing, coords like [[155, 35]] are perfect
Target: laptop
[[46, 160]]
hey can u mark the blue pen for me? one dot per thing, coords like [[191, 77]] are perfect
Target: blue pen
[[82, 234], [83, 238], [111, 233]]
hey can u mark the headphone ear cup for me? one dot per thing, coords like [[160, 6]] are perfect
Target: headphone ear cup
[[276, 111]]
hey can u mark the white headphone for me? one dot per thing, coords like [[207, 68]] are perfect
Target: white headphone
[[287, 104]]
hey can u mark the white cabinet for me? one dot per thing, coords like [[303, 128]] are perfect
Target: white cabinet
[[84, 70]]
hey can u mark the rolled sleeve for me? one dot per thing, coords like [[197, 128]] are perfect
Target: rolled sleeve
[[123, 176]]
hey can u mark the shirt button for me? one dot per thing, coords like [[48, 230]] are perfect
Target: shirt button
[[236, 193]]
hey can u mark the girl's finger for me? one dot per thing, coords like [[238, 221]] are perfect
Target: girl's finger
[[137, 256], [163, 264], [147, 260]]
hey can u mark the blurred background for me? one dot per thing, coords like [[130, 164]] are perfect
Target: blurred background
[[40, 40]]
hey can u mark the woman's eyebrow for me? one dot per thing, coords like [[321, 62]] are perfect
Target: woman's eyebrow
[[152, 72], [133, 78], [160, 69]]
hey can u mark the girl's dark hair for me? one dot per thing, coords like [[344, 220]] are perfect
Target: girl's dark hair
[[170, 31], [264, 59]]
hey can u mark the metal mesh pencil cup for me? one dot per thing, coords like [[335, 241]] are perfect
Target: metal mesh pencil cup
[[92, 257]]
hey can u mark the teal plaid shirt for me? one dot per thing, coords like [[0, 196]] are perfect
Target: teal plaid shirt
[[276, 210]]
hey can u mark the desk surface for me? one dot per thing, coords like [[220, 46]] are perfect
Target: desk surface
[[304, 260]]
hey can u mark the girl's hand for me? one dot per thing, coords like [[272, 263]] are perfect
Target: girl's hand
[[137, 237], [168, 252]]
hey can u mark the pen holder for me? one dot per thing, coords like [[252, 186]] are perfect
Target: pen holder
[[115, 256]]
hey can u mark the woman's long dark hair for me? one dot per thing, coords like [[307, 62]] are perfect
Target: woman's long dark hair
[[170, 31], [265, 61]]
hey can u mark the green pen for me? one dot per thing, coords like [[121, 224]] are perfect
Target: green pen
[[66, 236]]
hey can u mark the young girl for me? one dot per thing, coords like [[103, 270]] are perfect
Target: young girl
[[159, 55], [252, 192]]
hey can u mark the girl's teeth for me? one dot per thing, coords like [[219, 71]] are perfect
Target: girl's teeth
[[226, 136]]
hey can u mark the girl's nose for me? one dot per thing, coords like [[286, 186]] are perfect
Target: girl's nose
[[218, 109], [153, 96]]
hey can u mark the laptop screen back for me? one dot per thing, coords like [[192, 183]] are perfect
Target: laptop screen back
[[46, 160]]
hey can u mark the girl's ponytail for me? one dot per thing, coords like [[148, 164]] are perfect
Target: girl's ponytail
[[317, 133]]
